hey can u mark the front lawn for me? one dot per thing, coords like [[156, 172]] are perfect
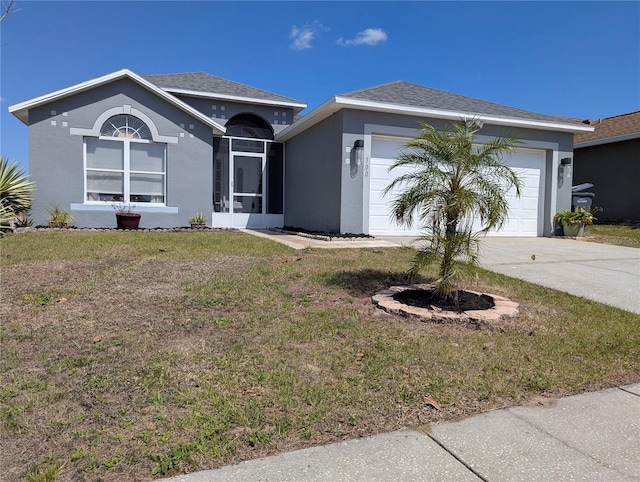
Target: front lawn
[[131, 355], [622, 234]]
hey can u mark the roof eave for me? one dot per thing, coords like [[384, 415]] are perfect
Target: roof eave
[[296, 106], [21, 110], [456, 115], [607, 140], [336, 103]]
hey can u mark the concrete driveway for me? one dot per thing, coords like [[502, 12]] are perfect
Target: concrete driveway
[[601, 272]]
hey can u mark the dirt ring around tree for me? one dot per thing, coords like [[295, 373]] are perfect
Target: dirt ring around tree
[[480, 318]]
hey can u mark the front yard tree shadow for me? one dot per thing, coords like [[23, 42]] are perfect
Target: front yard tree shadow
[[366, 282]]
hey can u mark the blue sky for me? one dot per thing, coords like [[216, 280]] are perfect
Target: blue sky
[[579, 59]]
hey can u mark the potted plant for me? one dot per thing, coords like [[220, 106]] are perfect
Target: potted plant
[[59, 218], [198, 221], [125, 217], [573, 222]]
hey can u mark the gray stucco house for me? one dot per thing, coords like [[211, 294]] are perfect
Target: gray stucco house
[[177, 144]]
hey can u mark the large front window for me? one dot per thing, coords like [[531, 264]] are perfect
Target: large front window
[[123, 164]]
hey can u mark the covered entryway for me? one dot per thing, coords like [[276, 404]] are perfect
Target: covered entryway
[[248, 176], [525, 213]]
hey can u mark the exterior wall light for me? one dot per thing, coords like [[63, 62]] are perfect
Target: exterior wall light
[[358, 146], [565, 164]]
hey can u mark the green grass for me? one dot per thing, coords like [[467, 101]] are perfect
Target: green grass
[[132, 355], [622, 234]]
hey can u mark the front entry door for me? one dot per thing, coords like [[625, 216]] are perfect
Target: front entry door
[[247, 185]]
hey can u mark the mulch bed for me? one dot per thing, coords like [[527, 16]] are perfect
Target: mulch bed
[[429, 298], [329, 235]]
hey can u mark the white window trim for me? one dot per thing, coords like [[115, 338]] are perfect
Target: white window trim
[[126, 170], [138, 208]]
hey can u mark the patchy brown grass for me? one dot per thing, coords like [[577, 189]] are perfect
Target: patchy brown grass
[[126, 356], [622, 234]]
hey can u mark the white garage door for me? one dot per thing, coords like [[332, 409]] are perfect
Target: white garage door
[[524, 212]]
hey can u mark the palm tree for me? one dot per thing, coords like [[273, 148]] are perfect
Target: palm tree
[[16, 192], [452, 183]]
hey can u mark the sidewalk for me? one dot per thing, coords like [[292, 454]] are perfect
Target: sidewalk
[[592, 436]]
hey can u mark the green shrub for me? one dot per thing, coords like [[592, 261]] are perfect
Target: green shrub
[[59, 218]]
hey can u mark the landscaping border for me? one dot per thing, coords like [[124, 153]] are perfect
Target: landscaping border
[[503, 308]]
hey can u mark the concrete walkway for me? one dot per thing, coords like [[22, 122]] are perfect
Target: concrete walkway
[[593, 436], [300, 242]]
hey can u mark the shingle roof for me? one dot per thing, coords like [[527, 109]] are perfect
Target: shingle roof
[[618, 125], [406, 93], [210, 84]]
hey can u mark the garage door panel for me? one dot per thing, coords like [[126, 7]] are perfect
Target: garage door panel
[[387, 148], [378, 186], [529, 226], [378, 223], [379, 172], [530, 184], [511, 226], [524, 212], [529, 204]]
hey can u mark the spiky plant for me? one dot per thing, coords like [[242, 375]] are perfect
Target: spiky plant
[[453, 183], [16, 192]]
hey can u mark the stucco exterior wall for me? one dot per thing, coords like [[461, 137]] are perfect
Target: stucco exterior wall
[[614, 171], [313, 167], [225, 110], [56, 156]]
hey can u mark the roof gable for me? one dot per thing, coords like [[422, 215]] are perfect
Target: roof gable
[[610, 129], [216, 87], [21, 110]]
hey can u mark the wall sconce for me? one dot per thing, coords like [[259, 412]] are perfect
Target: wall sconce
[[358, 146], [565, 163]]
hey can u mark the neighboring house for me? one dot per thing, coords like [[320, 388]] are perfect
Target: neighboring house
[[178, 144], [609, 158]]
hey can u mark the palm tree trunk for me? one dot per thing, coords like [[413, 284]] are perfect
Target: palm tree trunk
[[446, 267]]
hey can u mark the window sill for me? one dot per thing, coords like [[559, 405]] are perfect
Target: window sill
[[138, 208]]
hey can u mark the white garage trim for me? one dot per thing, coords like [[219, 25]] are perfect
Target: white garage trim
[[526, 213]]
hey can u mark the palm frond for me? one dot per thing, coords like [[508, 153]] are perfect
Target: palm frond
[[16, 192], [452, 182]]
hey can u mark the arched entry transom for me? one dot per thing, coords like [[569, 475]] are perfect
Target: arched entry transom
[[249, 125]]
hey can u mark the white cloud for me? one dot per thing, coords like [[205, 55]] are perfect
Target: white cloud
[[302, 36], [370, 36]]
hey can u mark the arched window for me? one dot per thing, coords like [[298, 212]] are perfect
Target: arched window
[[124, 164], [125, 126], [248, 125]]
